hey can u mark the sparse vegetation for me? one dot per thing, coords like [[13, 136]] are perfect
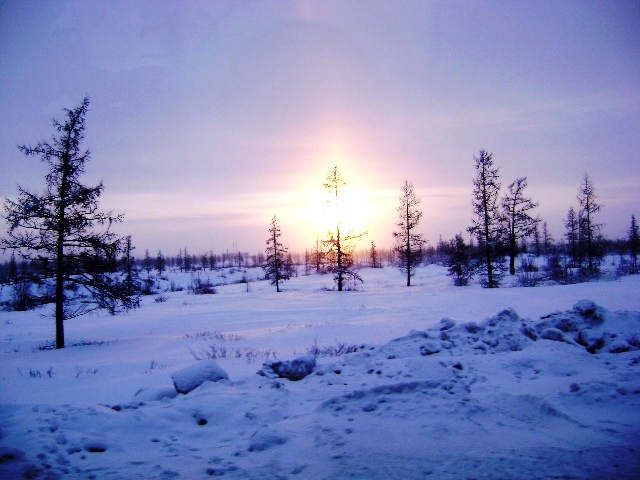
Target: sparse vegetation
[[222, 351], [336, 350], [218, 335]]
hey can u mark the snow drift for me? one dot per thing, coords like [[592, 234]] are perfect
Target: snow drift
[[501, 397]]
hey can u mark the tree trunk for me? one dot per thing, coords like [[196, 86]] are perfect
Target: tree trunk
[[408, 249], [339, 253], [513, 250], [60, 260]]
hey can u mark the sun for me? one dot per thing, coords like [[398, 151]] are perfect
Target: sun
[[353, 213]]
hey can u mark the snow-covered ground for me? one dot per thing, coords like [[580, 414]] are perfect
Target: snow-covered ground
[[505, 387]]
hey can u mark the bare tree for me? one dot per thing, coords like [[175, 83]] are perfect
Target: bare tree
[[408, 242], [339, 247], [65, 227], [276, 267], [516, 207], [486, 214]]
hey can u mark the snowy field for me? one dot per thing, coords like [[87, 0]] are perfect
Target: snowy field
[[504, 387]]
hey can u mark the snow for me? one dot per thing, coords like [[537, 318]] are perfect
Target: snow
[[191, 377], [443, 382]]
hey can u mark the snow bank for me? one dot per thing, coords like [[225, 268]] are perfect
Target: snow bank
[[192, 377], [587, 325]]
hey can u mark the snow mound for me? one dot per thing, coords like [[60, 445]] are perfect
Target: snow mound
[[502, 333], [294, 370], [265, 439], [150, 394], [192, 377], [593, 327], [586, 324]]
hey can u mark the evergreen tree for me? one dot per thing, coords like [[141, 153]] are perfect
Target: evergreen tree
[[408, 242], [486, 215], [146, 262], [160, 263], [459, 264], [536, 241], [180, 261], [373, 256], [339, 247], [275, 268], [519, 222], [131, 281], [186, 260], [547, 239], [65, 227], [571, 235], [318, 254]]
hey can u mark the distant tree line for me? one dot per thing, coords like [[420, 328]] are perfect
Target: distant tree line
[[64, 252]]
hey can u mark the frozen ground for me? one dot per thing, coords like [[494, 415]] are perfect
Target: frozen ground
[[504, 388]]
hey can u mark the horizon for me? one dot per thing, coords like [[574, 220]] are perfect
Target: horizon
[[207, 119]]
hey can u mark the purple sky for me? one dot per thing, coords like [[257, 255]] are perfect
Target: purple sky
[[207, 118]]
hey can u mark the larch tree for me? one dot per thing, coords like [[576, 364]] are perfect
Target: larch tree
[[160, 263], [275, 267], [373, 256], [339, 247], [589, 228], [547, 239], [518, 220], [571, 225], [458, 263], [486, 224], [408, 242], [146, 262], [634, 244], [64, 228]]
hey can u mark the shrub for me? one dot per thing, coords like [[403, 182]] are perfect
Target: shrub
[[201, 287], [336, 350]]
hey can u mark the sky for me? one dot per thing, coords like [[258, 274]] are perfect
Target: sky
[[209, 118]]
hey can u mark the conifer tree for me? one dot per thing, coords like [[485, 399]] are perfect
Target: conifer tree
[[589, 228], [516, 209], [276, 267], [459, 264], [571, 235], [338, 246], [486, 214], [160, 263], [408, 242], [373, 256], [634, 244], [146, 262], [64, 227]]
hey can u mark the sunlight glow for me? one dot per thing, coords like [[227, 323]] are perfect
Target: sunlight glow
[[354, 213]]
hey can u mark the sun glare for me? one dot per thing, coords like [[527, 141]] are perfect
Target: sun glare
[[354, 212]]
